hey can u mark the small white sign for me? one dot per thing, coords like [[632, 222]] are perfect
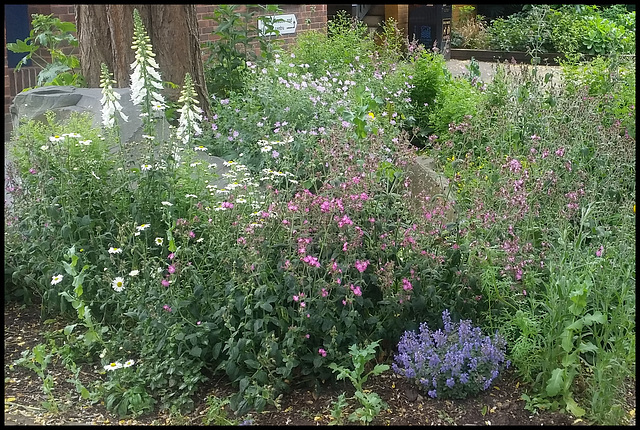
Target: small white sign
[[286, 24]]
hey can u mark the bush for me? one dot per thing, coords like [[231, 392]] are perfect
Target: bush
[[456, 363]]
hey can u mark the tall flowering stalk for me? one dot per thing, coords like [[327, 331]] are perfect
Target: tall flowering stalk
[[110, 99], [190, 112], [145, 79], [111, 106]]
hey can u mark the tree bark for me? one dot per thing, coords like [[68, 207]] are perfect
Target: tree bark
[[105, 35]]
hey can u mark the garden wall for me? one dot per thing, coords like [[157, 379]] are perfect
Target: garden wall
[[308, 16]]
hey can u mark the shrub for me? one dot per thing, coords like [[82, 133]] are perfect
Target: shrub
[[455, 363]]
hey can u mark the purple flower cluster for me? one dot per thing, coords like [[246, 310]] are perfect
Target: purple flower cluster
[[453, 363]]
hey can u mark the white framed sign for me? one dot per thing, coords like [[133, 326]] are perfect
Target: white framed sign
[[286, 24]]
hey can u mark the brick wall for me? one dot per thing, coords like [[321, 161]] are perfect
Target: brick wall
[[309, 17]]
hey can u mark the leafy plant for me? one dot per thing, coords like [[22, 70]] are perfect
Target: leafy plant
[[371, 403], [237, 36], [453, 363], [50, 34]]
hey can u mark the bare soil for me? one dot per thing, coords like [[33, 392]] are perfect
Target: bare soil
[[23, 328]]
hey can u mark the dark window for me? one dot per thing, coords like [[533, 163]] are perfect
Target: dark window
[[17, 24]]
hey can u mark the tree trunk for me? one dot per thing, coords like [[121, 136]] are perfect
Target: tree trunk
[[105, 35]]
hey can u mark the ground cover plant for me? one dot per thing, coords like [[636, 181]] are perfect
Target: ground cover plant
[[307, 249]]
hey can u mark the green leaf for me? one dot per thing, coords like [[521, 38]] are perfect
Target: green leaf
[[196, 351], [567, 340], [587, 347], [573, 408], [253, 364], [68, 329], [597, 317], [555, 383]]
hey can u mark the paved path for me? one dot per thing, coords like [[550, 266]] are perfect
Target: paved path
[[488, 69]]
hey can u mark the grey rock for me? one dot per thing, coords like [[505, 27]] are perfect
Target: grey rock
[[425, 179], [64, 100]]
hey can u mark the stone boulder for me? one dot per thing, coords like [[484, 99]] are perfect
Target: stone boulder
[[64, 100], [424, 178]]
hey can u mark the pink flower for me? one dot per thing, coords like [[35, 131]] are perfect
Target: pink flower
[[164, 283], [166, 308], [307, 336], [192, 234], [324, 293], [303, 304], [600, 251], [322, 352], [170, 256], [199, 322], [171, 269], [356, 290], [296, 298], [361, 265], [406, 285], [227, 205]]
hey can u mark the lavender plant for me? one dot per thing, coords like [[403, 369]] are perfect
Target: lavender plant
[[454, 363]]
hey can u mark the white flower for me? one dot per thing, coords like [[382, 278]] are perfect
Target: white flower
[[113, 366], [190, 113], [44, 147], [144, 76], [129, 363], [56, 138], [118, 284], [134, 273], [85, 142], [74, 135], [200, 240], [190, 195], [109, 101], [56, 279], [199, 148], [115, 250], [166, 203], [159, 241], [143, 227], [145, 167]]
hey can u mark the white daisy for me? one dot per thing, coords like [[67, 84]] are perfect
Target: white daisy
[[44, 147], [56, 138], [118, 284], [143, 227], [113, 366], [134, 273], [56, 279], [145, 167], [115, 250], [129, 363], [159, 241]]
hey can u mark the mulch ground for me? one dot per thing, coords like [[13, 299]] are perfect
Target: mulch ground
[[24, 397]]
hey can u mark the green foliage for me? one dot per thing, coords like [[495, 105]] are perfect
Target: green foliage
[[456, 102], [51, 35], [429, 77], [237, 37], [371, 403], [566, 29], [346, 43]]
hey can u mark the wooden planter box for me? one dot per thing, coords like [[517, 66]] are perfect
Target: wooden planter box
[[500, 56]]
